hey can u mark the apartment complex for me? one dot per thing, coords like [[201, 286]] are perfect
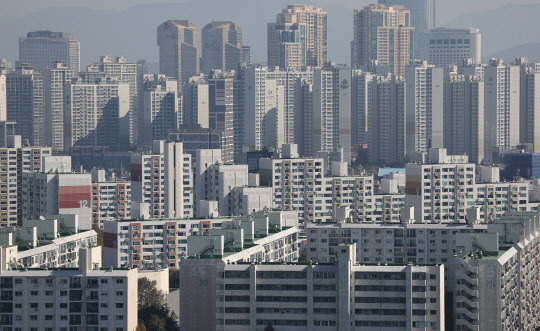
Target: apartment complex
[[41, 49]]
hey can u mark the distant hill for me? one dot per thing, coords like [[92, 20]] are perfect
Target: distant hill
[[509, 27], [132, 32], [530, 51]]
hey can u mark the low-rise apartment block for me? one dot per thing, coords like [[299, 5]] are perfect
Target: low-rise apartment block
[[292, 296], [87, 298]]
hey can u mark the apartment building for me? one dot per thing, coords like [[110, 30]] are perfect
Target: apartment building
[[443, 190], [123, 72], [164, 242], [384, 34], [300, 185], [311, 296], [298, 38], [325, 113], [55, 79], [97, 114], [25, 103], [14, 160], [31, 247], [57, 193], [163, 180], [424, 105], [496, 276], [464, 115], [378, 115], [87, 298], [111, 199], [161, 111], [212, 103]]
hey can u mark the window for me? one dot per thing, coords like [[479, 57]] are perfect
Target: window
[[119, 317], [119, 293], [119, 305]]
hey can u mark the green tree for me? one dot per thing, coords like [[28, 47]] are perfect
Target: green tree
[[149, 295], [157, 323], [152, 308]]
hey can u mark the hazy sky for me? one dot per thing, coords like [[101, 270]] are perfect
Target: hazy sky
[[446, 9]]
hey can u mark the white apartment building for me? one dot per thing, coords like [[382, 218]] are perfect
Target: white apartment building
[[164, 180], [424, 107], [300, 185], [164, 242], [441, 192], [464, 115], [212, 102], [111, 199], [125, 73], [247, 200], [496, 276], [263, 109], [97, 114], [60, 251], [14, 160], [443, 46], [161, 111], [55, 78], [529, 104], [295, 296], [87, 298], [502, 106], [326, 113], [382, 120], [57, 193], [219, 181]]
